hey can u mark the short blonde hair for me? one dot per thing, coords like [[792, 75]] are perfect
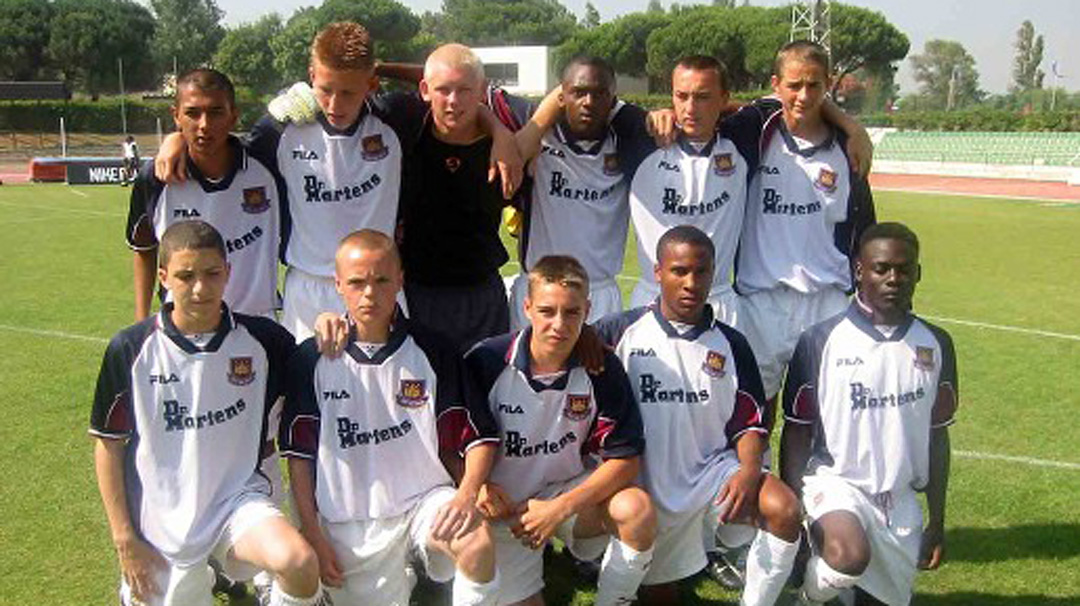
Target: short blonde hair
[[454, 56], [343, 45], [563, 270]]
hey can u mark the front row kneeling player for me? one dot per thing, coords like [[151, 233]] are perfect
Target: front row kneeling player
[[552, 415], [365, 434], [869, 397], [179, 416], [700, 395]]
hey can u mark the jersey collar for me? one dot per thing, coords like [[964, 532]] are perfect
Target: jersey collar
[[520, 361], [564, 134], [689, 148], [863, 319], [705, 323], [343, 132], [185, 344], [239, 161], [793, 147], [399, 330]]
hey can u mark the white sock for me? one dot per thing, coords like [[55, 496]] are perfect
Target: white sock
[[467, 592], [278, 597], [621, 572], [822, 583], [768, 565]]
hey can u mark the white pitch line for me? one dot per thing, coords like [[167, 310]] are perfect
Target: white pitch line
[[932, 192], [989, 456], [1016, 329], [52, 333], [79, 193]]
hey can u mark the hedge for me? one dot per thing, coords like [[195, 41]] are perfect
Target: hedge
[[978, 119], [103, 116]]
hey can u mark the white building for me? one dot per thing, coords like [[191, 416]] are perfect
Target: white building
[[531, 70]]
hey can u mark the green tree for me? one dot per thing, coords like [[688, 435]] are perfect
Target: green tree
[[945, 65], [245, 54], [188, 33], [505, 22], [862, 38], [655, 7], [1029, 55], [620, 41], [23, 38], [592, 16], [292, 46], [88, 37]]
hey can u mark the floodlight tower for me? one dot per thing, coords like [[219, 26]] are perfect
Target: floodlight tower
[[811, 20]]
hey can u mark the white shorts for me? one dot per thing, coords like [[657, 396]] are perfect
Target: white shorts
[[190, 584], [604, 299], [893, 524], [307, 296], [772, 321], [373, 553], [521, 569], [683, 538], [724, 301]]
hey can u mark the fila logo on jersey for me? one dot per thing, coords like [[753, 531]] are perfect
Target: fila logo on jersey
[[773, 204], [185, 213], [373, 148], [164, 379], [664, 164], [924, 358], [826, 181], [177, 417], [340, 394], [577, 407], [551, 151], [673, 204], [518, 446], [304, 154], [649, 392], [769, 170], [412, 393], [723, 164], [350, 434], [316, 190], [862, 399], [644, 353], [255, 200], [511, 409], [559, 189], [714, 364], [241, 370], [856, 361]]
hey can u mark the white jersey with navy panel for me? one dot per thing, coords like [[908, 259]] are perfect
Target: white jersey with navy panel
[[872, 399], [194, 410], [805, 214], [698, 390], [338, 181], [704, 186], [374, 421], [548, 430], [244, 206]]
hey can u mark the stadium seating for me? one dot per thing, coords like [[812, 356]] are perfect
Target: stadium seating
[[1015, 149]]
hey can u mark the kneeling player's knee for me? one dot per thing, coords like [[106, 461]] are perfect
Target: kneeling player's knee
[[850, 557], [782, 514], [634, 516], [474, 553], [294, 560]]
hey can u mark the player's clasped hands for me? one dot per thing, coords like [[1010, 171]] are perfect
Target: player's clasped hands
[[140, 564], [456, 518], [539, 519]]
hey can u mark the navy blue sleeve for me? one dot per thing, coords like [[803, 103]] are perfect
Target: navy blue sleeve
[[513, 111], [298, 435], [611, 327], [750, 404], [618, 431], [144, 196], [860, 215], [403, 112], [279, 345], [743, 128], [800, 387], [633, 143], [483, 365], [948, 392], [460, 425], [112, 415], [263, 140]]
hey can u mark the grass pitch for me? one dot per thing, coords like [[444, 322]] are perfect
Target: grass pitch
[[1013, 526]]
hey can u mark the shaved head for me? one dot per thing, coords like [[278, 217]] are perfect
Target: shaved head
[[366, 240], [454, 57]]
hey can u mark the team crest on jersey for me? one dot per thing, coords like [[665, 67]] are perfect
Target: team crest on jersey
[[723, 164], [714, 364], [826, 181], [577, 407], [453, 164], [611, 165], [241, 370], [255, 200], [412, 393], [924, 358], [373, 148]]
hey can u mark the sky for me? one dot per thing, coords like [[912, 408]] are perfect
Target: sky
[[987, 29]]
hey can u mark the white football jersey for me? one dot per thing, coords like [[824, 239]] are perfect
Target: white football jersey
[[803, 217], [373, 424], [682, 185], [195, 415], [548, 430], [873, 399], [244, 207], [698, 392]]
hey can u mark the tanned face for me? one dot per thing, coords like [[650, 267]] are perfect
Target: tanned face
[[801, 88], [455, 94], [698, 100], [341, 92], [368, 280], [685, 275], [204, 119], [886, 272], [556, 313], [196, 279], [588, 95]]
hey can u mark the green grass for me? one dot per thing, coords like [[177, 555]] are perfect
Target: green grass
[[1013, 531]]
